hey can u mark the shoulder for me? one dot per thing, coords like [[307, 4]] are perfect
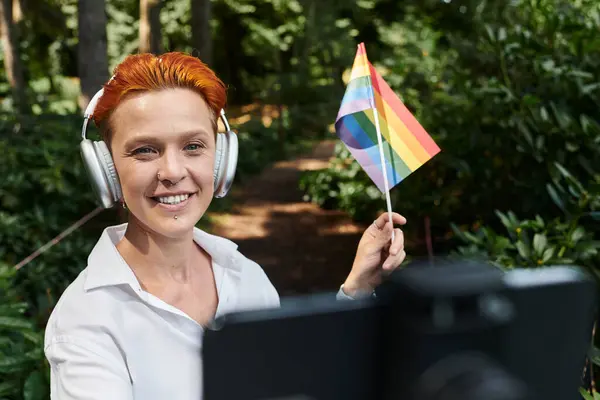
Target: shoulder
[[81, 336], [82, 317], [255, 277]]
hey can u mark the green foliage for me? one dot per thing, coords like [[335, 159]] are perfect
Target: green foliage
[[43, 190], [39, 200], [344, 185], [587, 396], [535, 242], [568, 239], [22, 365], [259, 146], [506, 96]]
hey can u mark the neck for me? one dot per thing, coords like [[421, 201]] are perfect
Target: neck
[[154, 258]]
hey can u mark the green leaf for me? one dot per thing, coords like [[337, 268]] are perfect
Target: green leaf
[[585, 394], [505, 220], [587, 89], [490, 33], [540, 221], [35, 387], [581, 74], [12, 309], [555, 197], [594, 354], [366, 4], [548, 65], [501, 34], [523, 250], [529, 100], [295, 6], [587, 123], [548, 254], [34, 337], [563, 170], [539, 243], [577, 234], [7, 388], [501, 244], [10, 364], [15, 323]]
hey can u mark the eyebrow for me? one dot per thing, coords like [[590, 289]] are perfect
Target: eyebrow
[[155, 140]]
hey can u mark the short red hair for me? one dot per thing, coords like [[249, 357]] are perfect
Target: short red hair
[[148, 72]]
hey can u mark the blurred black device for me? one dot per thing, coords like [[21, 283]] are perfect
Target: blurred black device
[[459, 331]]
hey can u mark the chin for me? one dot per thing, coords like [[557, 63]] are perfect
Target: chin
[[175, 228], [157, 219]]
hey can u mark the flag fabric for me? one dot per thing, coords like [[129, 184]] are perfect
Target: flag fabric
[[407, 146]]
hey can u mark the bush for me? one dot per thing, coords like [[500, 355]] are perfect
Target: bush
[[23, 370], [567, 239], [505, 97], [344, 185], [39, 201]]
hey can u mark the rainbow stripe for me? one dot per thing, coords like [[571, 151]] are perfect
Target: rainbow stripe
[[407, 146]]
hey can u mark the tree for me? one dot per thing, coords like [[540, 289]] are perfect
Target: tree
[[12, 54], [92, 51], [150, 27], [201, 33]]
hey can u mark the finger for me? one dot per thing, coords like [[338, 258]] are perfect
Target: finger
[[379, 223], [384, 236], [398, 219], [393, 262], [384, 218], [398, 243], [386, 248]]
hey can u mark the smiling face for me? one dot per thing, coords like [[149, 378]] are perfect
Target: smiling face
[[163, 146]]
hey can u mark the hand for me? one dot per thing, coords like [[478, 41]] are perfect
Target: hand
[[376, 255]]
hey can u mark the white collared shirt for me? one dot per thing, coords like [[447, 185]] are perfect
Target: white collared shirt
[[109, 339]]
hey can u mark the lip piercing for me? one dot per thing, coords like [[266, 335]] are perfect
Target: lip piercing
[[158, 175], [175, 217]]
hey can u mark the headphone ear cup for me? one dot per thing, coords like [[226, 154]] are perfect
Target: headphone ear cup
[[219, 164], [226, 156], [101, 171], [110, 171]]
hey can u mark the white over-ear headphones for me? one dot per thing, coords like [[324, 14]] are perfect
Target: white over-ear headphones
[[100, 167]]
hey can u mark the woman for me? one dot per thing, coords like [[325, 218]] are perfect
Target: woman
[[130, 325]]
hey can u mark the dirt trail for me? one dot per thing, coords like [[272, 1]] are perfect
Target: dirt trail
[[301, 247]]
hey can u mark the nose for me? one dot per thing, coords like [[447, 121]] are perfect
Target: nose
[[172, 167]]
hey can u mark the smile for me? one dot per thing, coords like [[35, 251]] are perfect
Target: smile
[[173, 199], [173, 203]]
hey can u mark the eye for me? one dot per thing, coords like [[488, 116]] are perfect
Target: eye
[[143, 150], [194, 146]]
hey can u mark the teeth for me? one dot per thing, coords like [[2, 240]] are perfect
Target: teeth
[[173, 199]]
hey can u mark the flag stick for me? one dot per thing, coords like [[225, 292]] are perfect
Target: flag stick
[[383, 166], [379, 141]]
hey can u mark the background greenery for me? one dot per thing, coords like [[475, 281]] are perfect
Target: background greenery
[[509, 90]]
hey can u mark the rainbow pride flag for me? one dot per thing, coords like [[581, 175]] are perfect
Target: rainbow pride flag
[[406, 145]]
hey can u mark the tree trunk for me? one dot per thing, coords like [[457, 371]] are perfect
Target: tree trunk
[[17, 9], [201, 32], [12, 56], [150, 27], [92, 58]]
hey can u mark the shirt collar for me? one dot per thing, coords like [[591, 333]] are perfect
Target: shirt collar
[[106, 267]]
